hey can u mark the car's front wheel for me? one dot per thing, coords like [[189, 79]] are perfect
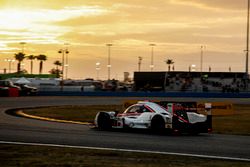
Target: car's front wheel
[[157, 124], [104, 121]]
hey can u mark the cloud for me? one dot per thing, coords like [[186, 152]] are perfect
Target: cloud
[[44, 4], [214, 4]]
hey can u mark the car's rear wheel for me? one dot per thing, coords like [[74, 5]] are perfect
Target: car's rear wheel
[[104, 121], [157, 124]]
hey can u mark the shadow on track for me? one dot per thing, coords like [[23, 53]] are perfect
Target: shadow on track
[[150, 132]]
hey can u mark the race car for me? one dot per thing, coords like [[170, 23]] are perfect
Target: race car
[[150, 115]]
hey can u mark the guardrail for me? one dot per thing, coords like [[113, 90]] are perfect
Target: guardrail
[[146, 94]]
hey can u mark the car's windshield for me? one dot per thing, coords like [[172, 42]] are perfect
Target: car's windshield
[[137, 109], [157, 108]]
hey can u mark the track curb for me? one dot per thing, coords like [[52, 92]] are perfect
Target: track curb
[[21, 113]]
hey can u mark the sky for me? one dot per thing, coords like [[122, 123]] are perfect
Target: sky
[[178, 28]]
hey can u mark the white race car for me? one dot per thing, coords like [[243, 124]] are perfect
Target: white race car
[[150, 115]]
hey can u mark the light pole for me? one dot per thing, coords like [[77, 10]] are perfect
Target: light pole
[[139, 63], [63, 51], [22, 43], [109, 65], [66, 64], [66, 61], [202, 51], [152, 56], [10, 62], [247, 42], [97, 67]]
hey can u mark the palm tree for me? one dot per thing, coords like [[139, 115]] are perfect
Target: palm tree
[[169, 62], [57, 71], [19, 57], [57, 63], [41, 58], [31, 58]]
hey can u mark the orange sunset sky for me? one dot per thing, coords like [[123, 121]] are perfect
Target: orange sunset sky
[[178, 28]]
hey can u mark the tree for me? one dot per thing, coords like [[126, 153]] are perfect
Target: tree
[[19, 57], [57, 63], [56, 70], [31, 58], [42, 58], [169, 62]]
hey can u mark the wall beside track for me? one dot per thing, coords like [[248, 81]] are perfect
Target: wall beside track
[[146, 94]]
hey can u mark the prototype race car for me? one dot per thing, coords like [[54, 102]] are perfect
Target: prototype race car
[[150, 115]]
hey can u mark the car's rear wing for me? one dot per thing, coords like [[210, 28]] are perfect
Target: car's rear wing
[[179, 111]]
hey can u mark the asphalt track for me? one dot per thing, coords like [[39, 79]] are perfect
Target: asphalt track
[[19, 129]]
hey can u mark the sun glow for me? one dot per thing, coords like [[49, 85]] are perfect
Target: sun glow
[[40, 25], [16, 19]]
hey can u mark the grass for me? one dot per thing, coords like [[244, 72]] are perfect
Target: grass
[[237, 124], [42, 156], [231, 124]]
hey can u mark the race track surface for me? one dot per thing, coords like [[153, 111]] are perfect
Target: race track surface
[[18, 129]]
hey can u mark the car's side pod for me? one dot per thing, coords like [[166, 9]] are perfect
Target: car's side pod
[[103, 121]]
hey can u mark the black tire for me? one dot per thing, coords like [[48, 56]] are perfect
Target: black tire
[[104, 121], [157, 124]]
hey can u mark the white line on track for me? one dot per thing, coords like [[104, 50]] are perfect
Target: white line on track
[[128, 150]]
